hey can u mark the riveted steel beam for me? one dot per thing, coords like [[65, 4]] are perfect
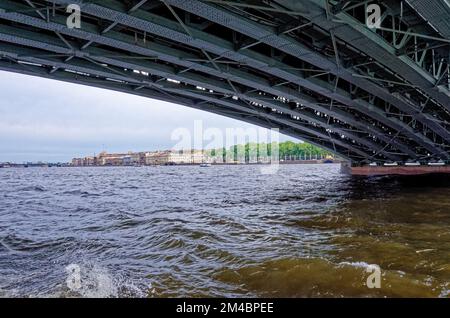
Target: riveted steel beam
[[358, 35], [436, 12]]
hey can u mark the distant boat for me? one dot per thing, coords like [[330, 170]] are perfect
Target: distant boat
[[205, 165]]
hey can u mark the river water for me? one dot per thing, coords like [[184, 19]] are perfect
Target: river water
[[307, 231]]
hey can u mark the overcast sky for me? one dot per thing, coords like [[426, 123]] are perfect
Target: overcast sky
[[45, 120]]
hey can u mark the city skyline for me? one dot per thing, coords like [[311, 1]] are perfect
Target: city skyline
[[239, 153]]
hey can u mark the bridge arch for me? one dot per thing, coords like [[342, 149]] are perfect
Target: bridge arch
[[320, 99]]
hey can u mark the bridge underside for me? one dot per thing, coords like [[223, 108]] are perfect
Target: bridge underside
[[310, 68]]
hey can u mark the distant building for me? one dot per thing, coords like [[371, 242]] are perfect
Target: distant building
[[89, 161], [157, 158], [84, 162], [175, 157], [143, 158], [77, 162], [114, 159], [187, 157], [132, 159]]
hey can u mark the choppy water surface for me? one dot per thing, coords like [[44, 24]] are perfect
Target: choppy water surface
[[307, 231]]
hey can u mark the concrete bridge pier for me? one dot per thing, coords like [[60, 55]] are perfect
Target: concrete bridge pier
[[415, 169]]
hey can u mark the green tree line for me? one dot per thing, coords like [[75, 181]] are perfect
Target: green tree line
[[252, 151]]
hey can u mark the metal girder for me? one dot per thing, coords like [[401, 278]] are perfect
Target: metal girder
[[357, 35], [271, 66], [294, 48], [176, 60], [154, 94], [108, 72], [436, 12]]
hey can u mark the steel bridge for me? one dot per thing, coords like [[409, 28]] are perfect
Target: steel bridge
[[311, 68]]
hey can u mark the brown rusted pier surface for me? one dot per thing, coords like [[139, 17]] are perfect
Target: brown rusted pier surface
[[394, 170]]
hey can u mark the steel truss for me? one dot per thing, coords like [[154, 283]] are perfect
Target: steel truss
[[266, 63]]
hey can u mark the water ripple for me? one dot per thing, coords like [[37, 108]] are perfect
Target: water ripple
[[307, 231]]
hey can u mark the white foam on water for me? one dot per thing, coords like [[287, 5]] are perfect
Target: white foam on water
[[445, 294], [94, 281], [363, 265]]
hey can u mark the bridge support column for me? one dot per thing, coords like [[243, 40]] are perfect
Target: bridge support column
[[367, 170]]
